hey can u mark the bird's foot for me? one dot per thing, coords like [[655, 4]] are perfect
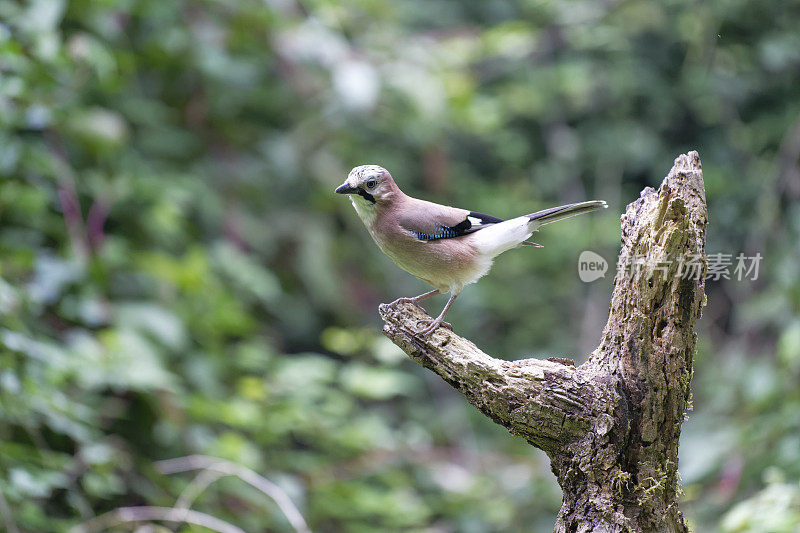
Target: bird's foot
[[405, 300], [433, 324]]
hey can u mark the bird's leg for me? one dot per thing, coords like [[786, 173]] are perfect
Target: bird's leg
[[415, 300], [439, 320]]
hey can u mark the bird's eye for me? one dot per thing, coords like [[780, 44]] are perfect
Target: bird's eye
[[371, 183]]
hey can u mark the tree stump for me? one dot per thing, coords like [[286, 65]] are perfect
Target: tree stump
[[610, 426]]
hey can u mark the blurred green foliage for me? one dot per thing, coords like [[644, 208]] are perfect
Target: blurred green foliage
[[176, 276]]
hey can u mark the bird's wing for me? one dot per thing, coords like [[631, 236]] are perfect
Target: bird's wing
[[429, 221]]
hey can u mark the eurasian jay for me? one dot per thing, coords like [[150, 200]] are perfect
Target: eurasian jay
[[445, 247]]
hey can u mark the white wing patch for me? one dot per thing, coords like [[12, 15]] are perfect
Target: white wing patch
[[498, 238]]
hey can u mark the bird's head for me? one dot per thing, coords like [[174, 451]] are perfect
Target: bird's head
[[370, 185]]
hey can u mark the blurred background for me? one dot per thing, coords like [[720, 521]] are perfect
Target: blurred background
[[177, 278]]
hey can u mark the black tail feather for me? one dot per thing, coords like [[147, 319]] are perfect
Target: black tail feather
[[565, 211]]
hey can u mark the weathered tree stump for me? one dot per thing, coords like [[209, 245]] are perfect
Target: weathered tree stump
[[610, 426]]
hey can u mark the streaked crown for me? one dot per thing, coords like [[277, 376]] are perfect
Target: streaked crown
[[364, 172]]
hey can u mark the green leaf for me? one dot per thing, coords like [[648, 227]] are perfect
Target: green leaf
[[376, 383]]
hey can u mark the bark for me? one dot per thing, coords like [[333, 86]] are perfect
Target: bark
[[611, 425]]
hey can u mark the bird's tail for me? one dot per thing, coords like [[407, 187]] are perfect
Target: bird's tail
[[565, 211], [497, 238]]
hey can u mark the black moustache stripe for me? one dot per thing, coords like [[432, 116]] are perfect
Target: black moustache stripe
[[367, 196]]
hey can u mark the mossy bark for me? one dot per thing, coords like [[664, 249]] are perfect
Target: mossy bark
[[610, 426]]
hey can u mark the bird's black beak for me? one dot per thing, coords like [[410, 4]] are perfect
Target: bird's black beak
[[344, 188]]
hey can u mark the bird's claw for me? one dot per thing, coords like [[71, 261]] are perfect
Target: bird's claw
[[433, 324], [405, 300]]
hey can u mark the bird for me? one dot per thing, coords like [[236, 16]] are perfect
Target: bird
[[446, 247]]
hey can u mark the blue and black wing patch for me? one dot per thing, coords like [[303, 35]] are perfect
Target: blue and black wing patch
[[442, 233], [471, 224]]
